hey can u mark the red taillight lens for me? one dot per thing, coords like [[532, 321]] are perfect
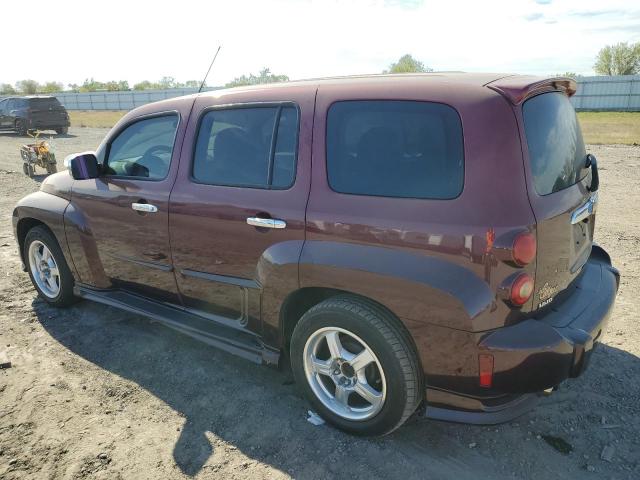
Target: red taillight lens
[[524, 249], [521, 289], [485, 369]]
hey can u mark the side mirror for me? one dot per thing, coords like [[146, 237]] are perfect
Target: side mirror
[[83, 166]]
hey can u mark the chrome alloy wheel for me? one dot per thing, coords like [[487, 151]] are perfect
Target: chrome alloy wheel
[[344, 373], [44, 269]]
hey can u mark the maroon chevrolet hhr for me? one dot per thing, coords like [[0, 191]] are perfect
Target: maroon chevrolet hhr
[[408, 243]]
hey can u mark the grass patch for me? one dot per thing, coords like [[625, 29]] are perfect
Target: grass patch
[[95, 118], [610, 127]]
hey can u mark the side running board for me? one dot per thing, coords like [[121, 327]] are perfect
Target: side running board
[[241, 343]]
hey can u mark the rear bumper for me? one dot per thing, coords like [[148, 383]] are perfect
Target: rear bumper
[[541, 352], [538, 353], [46, 124]]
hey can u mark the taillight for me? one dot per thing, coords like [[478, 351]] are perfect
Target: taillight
[[485, 369], [521, 289], [524, 249]]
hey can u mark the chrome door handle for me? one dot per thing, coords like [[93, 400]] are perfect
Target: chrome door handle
[[144, 207], [266, 222]]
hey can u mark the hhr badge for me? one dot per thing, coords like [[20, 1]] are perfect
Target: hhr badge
[[546, 292]]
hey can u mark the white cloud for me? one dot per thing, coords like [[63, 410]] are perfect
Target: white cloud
[[132, 41]]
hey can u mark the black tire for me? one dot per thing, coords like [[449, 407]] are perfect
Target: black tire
[[25, 169], [65, 296], [30, 170], [52, 168], [62, 130], [21, 127], [391, 344]]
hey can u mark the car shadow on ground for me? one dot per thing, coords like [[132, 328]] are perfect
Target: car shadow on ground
[[257, 409]]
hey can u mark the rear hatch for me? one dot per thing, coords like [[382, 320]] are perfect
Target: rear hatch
[[559, 182], [47, 111]]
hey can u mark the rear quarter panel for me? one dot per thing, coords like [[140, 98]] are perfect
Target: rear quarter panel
[[429, 261]]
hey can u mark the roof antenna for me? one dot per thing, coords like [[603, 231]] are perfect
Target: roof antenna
[[205, 77]]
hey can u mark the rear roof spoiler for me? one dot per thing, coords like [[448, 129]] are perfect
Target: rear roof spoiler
[[518, 88]]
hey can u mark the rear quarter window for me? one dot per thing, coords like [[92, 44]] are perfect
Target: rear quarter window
[[388, 148], [556, 149]]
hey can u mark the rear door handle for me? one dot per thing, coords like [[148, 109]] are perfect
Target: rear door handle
[[144, 207], [266, 222]]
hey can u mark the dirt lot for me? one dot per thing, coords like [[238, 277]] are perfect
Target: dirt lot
[[97, 393]]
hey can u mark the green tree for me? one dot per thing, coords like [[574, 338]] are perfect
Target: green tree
[[167, 82], [618, 59], [27, 87], [145, 85], [265, 76], [407, 64], [569, 74], [51, 87], [192, 84], [7, 89]]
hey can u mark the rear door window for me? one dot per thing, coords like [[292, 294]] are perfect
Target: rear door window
[[556, 149], [387, 148], [247, 147]]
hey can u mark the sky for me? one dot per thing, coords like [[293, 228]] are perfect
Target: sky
[[69, 41]]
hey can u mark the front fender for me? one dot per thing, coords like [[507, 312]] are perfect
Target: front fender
[[42, 208]]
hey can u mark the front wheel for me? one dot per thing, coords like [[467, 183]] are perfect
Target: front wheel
[[357, 365], [62, 130], [47, 267]]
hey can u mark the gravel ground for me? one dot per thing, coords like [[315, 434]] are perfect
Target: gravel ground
[[97, 393]]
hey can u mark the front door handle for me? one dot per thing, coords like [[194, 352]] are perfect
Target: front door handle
[[266, 222], [144, 207]]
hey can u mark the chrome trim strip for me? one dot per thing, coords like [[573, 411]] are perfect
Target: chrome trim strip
[[585, 210]]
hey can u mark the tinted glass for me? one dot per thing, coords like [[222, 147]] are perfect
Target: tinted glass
[[236, 147], [44, 103], [395, 149], [284, 162], [144, 148], [556, 149]]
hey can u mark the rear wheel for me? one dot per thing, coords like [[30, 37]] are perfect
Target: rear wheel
[[62, 130], [357, 365], [21, 127], [47, 267], [52, 168]]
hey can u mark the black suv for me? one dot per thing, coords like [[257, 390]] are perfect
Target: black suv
[[22, 114]]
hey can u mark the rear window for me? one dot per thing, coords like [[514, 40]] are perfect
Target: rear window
[[556, 149], [388, 148], [44, 102]]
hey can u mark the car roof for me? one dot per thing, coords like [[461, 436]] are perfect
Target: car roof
[[454, 78], [516, 88]]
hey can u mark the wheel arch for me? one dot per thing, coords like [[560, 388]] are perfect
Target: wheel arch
[[23, 227], [297, 303], [41, 208]]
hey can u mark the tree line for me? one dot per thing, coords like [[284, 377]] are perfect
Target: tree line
[[619, 59]]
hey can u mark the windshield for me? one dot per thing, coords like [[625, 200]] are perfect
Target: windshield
[[556, 148]]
